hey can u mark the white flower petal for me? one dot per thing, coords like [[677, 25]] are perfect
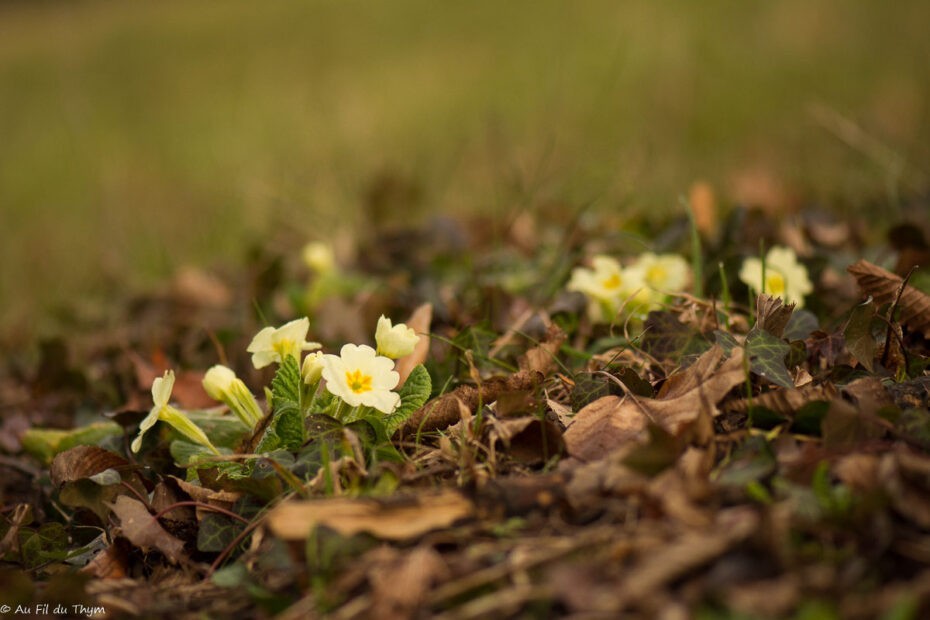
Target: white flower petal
[[217, 382], [161, 388]]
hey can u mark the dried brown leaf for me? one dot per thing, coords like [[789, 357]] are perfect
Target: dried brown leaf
[[772, 314], [210, 496], [903, 476], [144, 531], [419, 321], [401, 581], [397, 518], [606, 425], [83, 462], [883, 286], [784, 401], [444, 411], [542, 358], [693, 549], [611, 423]]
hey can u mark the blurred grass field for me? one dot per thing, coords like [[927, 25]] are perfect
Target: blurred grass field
[[139, 136]]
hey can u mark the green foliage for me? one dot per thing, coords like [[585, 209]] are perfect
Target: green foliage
[[413, 395], [286, 428], [45, 443], [767, 357], [225, 431], [216, 532], [665, 336]]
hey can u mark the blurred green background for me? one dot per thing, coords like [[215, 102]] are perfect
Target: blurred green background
[[136, 137]]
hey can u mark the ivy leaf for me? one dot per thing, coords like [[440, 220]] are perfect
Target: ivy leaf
[[767, 357], [48, 543], [413, 395], [802, 324], [286, 429], [664, 336], [216, 532], [726, 341]]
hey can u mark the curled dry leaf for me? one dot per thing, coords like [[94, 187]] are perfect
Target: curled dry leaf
[[209, 496], [784, 401], [397, 518], [542, 357], [883, 286], [772, 314], [419, 321], [83, 462], [611, 423], [608, 424], [444, 410], [144, 531]]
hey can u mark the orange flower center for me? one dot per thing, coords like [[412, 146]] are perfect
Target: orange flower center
[[774, 283], [613, 281], [358, 382]]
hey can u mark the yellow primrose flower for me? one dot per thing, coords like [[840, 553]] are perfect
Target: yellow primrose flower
[[319, 257], [607, 280], [161, 394], [394, 341], [222, 384], [609, 288], [312, 368], [785, 277], [275, 344], [667, 273], [359, 376]]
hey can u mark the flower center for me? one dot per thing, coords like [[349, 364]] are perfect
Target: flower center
[[284, 348], [656, 275], [613, 281], [358, 382], [774, 284]]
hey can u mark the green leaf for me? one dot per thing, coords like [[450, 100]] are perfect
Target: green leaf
[[48, 543], [801, 325], [858, 334], [286, 429], [232, 576], [186, 453], [767, 357], [216, 532], [225, 431], [90, 495], [413, 395], [726, 341], [45, 443], [664, 336]]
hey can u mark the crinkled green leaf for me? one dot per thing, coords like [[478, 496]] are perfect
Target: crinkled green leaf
[[413, 395], [286, 429], [767, 357], [216, 532], [45, 443]]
